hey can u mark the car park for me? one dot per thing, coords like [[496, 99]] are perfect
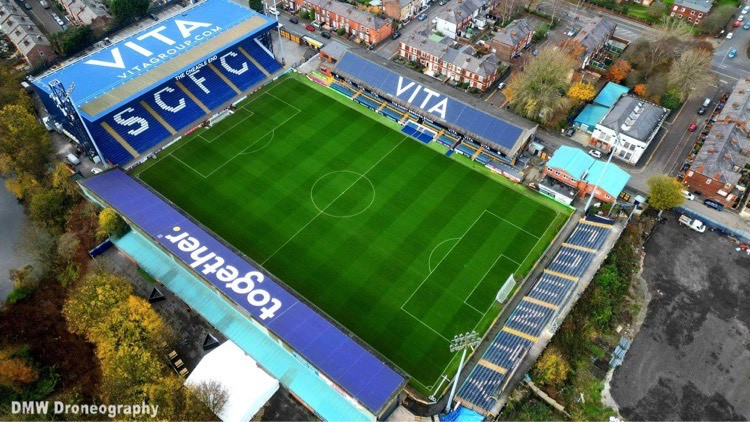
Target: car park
[[326, 35], [732, 53], [713, 204], [595, 153], [422, 17], [293, 20], [692, 127], [310, 28]]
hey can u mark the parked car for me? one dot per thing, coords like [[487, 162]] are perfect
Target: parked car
[[395, 35], [689, 196], [72, 159], [595, 153], [732, 53], [702, 110], [310, 28], [713, 204], [571, 32], [153, 16], [745, 10], [325, 34], [422, 17], [746, 26], [693, 223], [501, 86], [316, 24], [44, 4], [570, 132], [730, 35], [741, 18], [736, 23], [96, 170], [293, 20], [273, 11], [27, 6], [442, 2], [692, 127]]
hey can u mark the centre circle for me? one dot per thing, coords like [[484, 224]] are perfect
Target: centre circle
[[342, 194]]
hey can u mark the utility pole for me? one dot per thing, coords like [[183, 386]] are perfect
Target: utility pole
[[461, 342]]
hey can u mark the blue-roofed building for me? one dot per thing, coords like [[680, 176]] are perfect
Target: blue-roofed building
[[120, 101], [506, 138], [324, 366], [593, 113], [575, 168]]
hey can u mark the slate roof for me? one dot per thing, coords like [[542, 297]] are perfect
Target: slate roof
[[513, 33], [463, 57], [459, 11], [634, 117], [350, 12], [727, 144], [594, 33], [699, 5]]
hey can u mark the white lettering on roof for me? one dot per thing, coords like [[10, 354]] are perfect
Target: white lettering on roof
[[439, 108]]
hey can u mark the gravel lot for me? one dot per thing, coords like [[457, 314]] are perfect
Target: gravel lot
[[691, 359]]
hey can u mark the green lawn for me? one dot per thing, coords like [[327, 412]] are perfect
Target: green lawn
[[402, 245]]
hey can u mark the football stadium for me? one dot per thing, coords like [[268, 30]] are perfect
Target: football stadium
[[327, 229]]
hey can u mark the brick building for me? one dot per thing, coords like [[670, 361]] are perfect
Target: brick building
[[87, 12], [402, 10], [364, 26], [593, 37], [694, 11], [716, 169], [509, 41], [460, 16], [459, 65], [25, 35], [576, 169]]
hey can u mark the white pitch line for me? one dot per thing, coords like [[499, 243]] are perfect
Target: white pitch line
[[425, 324], [518, 227]]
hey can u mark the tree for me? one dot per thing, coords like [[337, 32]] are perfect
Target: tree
[[67, 246], [717, 19], [672, 99], [312, 14], [39, 244], [25, 146], [111, 224], [582, 91], [96, 296], [640, 90], [211, 393], [24, 278], [657, 9], [127, 11], [256, 5], [539, 91], [665, 192], [75, 39], [50, 207], [689, 71], [10, 88], [14, 371], [552, 369], [618, 71]]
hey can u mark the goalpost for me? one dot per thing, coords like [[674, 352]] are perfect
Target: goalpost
[[504, 291]]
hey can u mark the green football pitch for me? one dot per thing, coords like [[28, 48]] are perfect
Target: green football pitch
[[403, 246]]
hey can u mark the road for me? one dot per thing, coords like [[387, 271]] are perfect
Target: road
[[627, 29], [738, 67], [43, 17]]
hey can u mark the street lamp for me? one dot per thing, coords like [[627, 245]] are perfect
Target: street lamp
[[461, 342]]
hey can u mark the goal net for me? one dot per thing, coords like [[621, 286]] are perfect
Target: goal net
[[504, 291]]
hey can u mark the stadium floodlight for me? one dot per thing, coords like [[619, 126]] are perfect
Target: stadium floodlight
[[461, 342]]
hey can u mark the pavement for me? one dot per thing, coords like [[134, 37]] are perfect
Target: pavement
[[691, 358]]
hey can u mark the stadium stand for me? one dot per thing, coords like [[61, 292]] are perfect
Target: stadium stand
[[550, 291], [435, 109], [418, 132], [145, 88], [329, 354]]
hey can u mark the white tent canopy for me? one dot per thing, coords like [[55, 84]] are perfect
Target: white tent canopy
[[248, 385]]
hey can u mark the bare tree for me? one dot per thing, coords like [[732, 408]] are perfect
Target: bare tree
[[689, 71], [212, 393]]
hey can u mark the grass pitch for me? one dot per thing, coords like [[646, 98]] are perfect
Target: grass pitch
[[400, 244]]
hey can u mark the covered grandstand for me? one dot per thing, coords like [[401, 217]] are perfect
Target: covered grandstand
[[427, 114], [122, 100], [323, 365]]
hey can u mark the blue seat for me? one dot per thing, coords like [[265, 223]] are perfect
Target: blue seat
[[174, 106]]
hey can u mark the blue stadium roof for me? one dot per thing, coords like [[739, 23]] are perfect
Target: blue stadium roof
[[499, 132], [155, 54], [614, 178], [574, 161], [341, 358]]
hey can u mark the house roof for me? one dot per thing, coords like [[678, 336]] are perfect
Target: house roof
[[514, 33], [462, 57], [573, 161], [87, 10], [460, 11], [594, 33], [609, 95], [610, 177], [335, 49], [699, 5], [591, 115], [727, 144], [350, 12], [634, 117]]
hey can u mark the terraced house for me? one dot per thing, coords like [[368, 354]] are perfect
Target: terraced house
[[25, 35], [87, 12], [333, 14], [457, 64], [694, 11]]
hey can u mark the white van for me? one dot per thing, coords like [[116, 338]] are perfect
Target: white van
[[72, 159]]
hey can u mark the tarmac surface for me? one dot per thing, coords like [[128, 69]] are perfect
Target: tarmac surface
[[691, 358]]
